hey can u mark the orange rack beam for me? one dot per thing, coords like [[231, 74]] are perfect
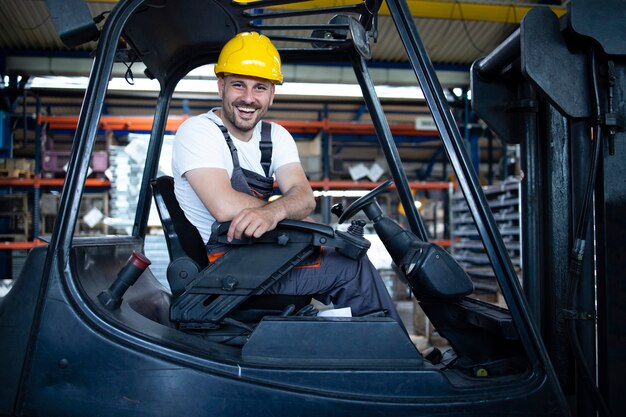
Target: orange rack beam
[[355, 128], [38, 182], [21, 245], [293, 126], [113, 122]]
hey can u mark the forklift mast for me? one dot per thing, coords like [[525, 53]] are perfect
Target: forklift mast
[[558, 88]]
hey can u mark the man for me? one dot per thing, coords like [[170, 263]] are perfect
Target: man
[[223, 165]]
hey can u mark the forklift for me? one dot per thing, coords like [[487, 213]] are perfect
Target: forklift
[[87, 329]]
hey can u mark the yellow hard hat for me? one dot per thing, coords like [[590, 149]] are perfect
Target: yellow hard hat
[[252, 54]]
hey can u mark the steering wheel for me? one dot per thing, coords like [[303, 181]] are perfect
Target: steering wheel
[[364, 201]]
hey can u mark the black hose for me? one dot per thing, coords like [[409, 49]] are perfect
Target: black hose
[[578, 248], [575, 272]]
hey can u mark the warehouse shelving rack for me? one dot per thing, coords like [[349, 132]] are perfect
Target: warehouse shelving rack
[[144, 124], [465, 245], [36, 184]]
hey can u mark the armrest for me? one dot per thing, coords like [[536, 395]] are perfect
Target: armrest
[[307, 227], [220, 229], [293, 231]]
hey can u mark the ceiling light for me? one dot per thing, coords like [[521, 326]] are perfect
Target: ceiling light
[[209, 86]]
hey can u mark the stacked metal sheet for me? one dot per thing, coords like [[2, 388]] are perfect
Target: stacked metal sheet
[[155, 249], [125, 174]]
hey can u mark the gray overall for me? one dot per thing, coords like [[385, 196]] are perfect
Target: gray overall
[[329, 277]]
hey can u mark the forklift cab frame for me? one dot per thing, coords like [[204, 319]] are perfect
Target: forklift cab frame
[[69, 355]]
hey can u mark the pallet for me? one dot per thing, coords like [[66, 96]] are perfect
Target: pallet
[[17, 168], [16, 173]]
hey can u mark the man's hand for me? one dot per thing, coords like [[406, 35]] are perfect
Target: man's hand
[[297, 202], [253, 222], [249, 215]]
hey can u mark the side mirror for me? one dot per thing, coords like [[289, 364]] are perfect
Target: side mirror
[[73, 21]]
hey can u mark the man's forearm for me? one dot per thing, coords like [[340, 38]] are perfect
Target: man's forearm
[[213, 188], [233, 202], [296, 204]]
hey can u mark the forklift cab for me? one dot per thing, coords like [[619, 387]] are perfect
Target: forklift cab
[[187, 349], [207, 297]]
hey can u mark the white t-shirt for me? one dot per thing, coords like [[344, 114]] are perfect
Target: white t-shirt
[[199, 143]]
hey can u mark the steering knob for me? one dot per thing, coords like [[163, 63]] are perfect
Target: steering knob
[[337, 209]]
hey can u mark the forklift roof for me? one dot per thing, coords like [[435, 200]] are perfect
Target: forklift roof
[[173, 42]]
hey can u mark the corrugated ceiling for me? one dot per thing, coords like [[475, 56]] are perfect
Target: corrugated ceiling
[[26, 29], [26, 25]]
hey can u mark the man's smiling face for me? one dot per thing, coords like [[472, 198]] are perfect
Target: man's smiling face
[[245, 100]]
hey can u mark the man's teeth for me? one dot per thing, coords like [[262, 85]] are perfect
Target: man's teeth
[[246, 109]]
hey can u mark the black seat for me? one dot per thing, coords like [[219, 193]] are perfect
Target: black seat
[[182, 237], [185, 244]]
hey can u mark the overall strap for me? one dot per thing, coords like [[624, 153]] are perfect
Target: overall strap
[[231, 145], [266, 147], [250, 182]]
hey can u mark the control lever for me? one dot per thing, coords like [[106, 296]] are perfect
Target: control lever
[[128, 275], [357, 228]]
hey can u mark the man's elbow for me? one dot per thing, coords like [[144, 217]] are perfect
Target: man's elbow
[[310, 203], [221, 215]]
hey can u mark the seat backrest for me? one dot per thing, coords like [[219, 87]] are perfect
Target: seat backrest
[[182, 237], [184, 241]]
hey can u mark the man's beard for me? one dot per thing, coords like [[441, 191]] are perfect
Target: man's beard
[[242, 125]]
